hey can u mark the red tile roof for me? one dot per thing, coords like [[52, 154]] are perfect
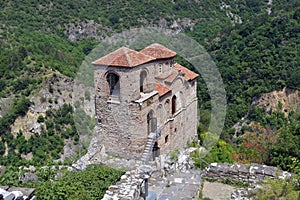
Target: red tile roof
[[124, 57], [188, 74], [158, 51], [172, 76], [161, 89]]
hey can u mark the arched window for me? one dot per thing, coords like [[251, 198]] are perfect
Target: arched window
[[173, 104], [143, 77], [114, 84], [151, 122]]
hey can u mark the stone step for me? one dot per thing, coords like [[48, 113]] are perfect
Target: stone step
[[144, 155]]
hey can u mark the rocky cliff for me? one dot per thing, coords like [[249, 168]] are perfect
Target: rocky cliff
[[284, 100]]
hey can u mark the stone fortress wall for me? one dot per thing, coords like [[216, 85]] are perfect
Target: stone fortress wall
[[247, 174], [131, 183]]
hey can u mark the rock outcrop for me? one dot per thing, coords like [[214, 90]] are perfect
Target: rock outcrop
[[288, 98]]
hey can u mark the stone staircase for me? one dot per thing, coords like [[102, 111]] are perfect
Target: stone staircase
[[152, 137], [148, 148]]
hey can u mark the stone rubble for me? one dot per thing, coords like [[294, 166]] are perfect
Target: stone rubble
[[241, 194], [17, 193], [179, 173]]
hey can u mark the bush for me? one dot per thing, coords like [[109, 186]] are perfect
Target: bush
[[40, 119]]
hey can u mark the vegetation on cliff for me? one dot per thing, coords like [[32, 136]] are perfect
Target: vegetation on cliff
[[55, 183], [255, 51]]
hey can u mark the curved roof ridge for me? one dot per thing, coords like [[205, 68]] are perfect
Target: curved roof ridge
[[124, 57], [158, 51]]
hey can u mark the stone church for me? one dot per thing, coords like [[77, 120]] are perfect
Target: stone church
[[146, 104]]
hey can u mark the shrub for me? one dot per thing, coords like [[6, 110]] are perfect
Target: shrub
[[40, 119]]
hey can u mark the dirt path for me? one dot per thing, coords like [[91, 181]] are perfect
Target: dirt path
[[217, 191]]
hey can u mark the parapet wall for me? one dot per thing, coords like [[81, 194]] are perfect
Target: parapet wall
[[132, 183], [128, 187], [246, 174]]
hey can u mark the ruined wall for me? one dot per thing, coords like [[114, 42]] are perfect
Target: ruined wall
[[128, 187], [131, 183], [243, 173]]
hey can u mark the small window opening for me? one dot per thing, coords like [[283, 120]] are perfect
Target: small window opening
[[167, 139], [114, 84], [173, 104], [143, 77], [171, 63], [160, 68]]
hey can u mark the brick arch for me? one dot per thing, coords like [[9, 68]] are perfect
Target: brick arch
[[179, 78], [110, 71]]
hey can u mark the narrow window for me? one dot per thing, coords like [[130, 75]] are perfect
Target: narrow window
[[173, 104], [150, 122], [143, 77], [167, 107], [166, 139]]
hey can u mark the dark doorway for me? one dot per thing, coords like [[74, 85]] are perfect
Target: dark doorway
[[155, 151]]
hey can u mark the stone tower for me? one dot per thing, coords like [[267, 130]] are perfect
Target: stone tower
[[145, 104]]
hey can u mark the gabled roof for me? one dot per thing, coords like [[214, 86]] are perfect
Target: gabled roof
[[161, 89], [171, 77], [187, 74], [124, 57], [158, 51], [179, 70]]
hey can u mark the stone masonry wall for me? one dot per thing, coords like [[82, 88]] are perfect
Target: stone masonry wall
[[127, 188], [243, 173], [131, 183], [122, 125]]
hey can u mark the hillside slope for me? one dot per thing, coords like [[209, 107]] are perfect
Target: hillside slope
[[255, 50]]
